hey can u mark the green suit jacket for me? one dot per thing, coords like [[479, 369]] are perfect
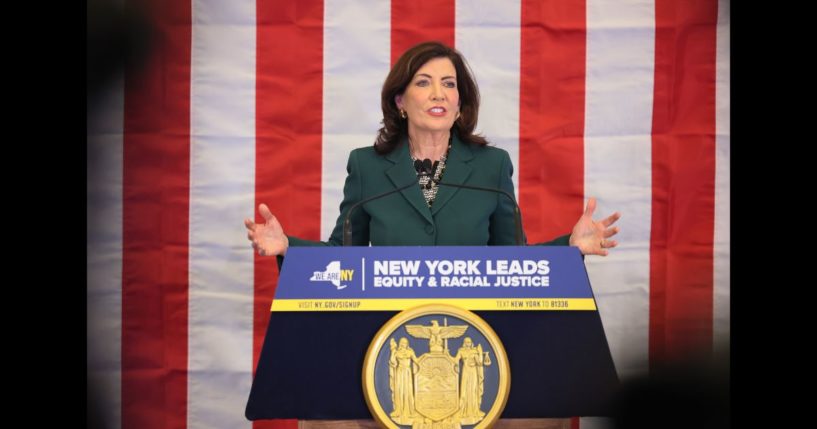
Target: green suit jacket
[[458, 217]]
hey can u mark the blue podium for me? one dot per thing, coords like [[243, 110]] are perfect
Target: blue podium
[[331, 301]]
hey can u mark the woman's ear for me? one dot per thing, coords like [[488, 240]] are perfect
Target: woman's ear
[[398, 100]]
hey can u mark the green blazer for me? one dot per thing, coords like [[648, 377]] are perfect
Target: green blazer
[[458, 217]]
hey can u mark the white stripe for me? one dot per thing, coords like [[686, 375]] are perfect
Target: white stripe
[[222, 194], [721, 315], [619, 104], [356, 49], [104, 258], [489, 37]]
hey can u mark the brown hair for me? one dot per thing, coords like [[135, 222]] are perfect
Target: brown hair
[[394, 127]]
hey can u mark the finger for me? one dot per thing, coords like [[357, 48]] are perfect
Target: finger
[[265, 211], [273, 222], [599, 251], [606, 244], [611, 232], [591, 207], [255, 245], [611, 219], [251, 236], [249, 224]]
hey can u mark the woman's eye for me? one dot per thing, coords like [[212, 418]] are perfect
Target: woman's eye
[[450, 84], [422, 83]]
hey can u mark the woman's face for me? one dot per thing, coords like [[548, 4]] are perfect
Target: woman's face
[[431, 99]]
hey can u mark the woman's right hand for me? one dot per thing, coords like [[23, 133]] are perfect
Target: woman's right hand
[[267, 238]]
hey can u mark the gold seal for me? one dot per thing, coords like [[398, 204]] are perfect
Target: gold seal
[[436, 366]]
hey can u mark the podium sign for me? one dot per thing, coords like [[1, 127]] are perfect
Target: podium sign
[[331, 302], [397, 278]]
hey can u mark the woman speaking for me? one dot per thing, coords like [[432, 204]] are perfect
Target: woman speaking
[[417, 183]]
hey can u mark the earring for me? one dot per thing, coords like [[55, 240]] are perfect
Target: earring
[[403, 114]]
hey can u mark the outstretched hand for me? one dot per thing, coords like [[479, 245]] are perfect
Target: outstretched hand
[[267, 238], [590, 236]]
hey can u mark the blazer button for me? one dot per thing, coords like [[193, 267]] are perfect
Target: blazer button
[[430, 229]]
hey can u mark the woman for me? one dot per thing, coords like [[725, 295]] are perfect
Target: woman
[[471, 387], [430, 106], [401, 381]]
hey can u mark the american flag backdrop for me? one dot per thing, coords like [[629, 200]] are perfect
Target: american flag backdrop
[[250, 101]]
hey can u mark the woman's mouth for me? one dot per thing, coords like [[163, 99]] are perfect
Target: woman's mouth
[[436, 111]]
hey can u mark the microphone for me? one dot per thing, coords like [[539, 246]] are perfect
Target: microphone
[[347, 222], [516, 212], [425, 167]]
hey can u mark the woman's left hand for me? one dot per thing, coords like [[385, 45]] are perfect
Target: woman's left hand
[[590, 236]]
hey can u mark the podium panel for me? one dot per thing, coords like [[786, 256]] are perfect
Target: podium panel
[[331, 302]]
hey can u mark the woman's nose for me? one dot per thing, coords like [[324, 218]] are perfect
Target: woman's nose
[[437, 92]]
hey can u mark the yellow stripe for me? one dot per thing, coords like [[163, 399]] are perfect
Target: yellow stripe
[[510, 304]]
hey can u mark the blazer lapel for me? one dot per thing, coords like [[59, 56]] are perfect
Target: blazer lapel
[[403, 173], [456, 171]]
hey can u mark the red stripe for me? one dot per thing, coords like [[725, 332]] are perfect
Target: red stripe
[[289, 106], [155, 226], [683, 201], [413, 22], [551, 116]]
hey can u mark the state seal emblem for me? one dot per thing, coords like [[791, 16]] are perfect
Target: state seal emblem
[[436, 367]]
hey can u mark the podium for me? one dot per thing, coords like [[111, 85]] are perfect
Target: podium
[[331, 301]]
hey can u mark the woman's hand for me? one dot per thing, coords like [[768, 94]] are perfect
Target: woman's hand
[[590, 236], [267, 238]]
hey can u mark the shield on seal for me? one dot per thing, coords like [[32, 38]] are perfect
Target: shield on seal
[[436, 386]]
